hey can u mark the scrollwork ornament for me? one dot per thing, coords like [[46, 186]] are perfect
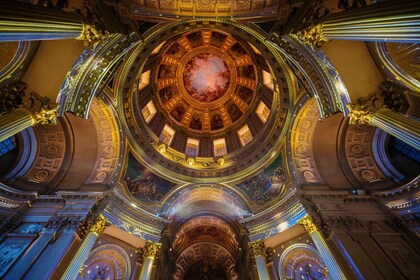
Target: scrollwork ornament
[[308, 224]]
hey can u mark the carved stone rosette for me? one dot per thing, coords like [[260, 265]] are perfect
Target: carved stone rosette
[[308, 224], [257, 248], [152, 249]]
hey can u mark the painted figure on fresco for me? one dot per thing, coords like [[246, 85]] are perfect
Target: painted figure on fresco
[[268, 184], [143, 184]]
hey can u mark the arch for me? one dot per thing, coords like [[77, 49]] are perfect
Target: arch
[[226, 201], [301, 258], [301, 143], [205, 250], [109, 257]]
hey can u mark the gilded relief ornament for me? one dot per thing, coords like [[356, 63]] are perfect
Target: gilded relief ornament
[[308, 224], [47, 115], [257, 247], [359, 115], [90, 35], [99, 226], [152, 249], [312, 36]]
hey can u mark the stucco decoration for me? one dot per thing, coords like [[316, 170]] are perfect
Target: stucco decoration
[[302, 144], [108, 146], [359, 154], [50, 155], [205, 251]]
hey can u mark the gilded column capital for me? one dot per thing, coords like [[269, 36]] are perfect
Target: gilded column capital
[[257, 248], [99, 225], [90, 35], [47, 115], [360, 114], [152, 249], [312, 35], [308, 224]]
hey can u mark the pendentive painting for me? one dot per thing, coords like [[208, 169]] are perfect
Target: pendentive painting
[[268, 184], [143, 184]]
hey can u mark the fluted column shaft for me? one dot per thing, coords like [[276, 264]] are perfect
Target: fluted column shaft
[[398, 125], [83, 252], [15, 121], [151, 251], [27, 22], [258, 250], [396, 21], [24, 263], [334, 269]]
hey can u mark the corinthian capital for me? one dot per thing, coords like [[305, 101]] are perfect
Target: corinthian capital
[[152, 249], [257, 248], [47, 115], [99, 226], [308, 224], [360, 114], [312, 36]]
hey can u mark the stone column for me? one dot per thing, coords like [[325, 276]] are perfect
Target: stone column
[[81, 255], [334, 269], [258, 250], [29, 258], [398, 125], [22, 118], [27, 22], [396, 21], [151, 252]]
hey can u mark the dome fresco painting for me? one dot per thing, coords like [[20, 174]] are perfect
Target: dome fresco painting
[[196, 139]]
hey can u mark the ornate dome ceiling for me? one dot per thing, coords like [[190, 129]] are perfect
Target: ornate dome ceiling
[[205, 82], [203, 104]]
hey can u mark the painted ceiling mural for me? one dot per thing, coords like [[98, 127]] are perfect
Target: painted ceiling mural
[[206, 80], [143, 184], [206, 77], [267, 185]]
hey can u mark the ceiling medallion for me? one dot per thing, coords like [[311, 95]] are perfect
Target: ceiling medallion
[[206, 81]]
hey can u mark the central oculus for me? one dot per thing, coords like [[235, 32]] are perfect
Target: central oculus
[[206, 77]]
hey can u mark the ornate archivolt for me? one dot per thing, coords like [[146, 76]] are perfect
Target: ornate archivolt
[[221, 197], [51, 154], [302, 144], [359, 155], [205, 251], [137, 9], [108, 146], [301, 261], [205, 228]]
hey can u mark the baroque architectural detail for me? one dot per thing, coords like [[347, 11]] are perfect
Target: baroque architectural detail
[[257, 248], [152, 249], [359, 153], [308, 224], [109, 141], [389, 95], [99, 225], [312, 36]]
